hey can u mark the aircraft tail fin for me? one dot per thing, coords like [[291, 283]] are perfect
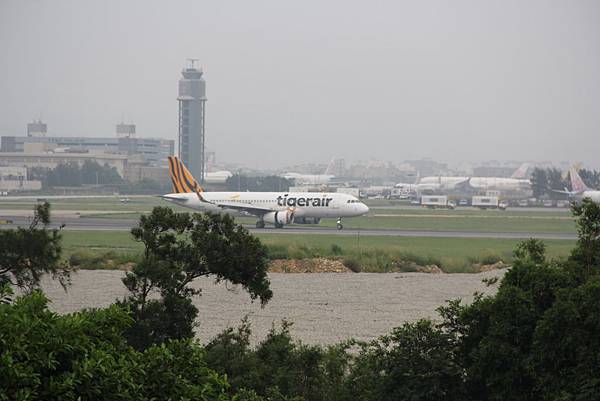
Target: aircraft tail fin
[[183, 181], [521, 172], [330, 167], [577, 184]]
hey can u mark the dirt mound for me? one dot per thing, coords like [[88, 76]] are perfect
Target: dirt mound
[[494, 266], [316, 265], [433, 269]]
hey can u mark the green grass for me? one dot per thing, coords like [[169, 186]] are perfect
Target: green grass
[[477, 223], [367, 253], [375, 253]]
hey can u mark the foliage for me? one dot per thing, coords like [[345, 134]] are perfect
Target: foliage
[[179, 248], [539, 182], [90, 260], [416, 361], [28, 253], [72, 175], [279, 368], [587, 250], [533, 250], [84, 355], [591, 178], [545, 180]]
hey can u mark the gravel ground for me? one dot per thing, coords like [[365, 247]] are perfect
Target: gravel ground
[[324, 307]]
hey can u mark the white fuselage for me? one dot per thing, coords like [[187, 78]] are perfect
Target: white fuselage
[[593, 195], [309, 179], [498, 183], [434, 183], [217, 177], [304, 204]]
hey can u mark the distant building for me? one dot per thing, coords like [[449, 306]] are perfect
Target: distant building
[[125, 130], [37, 129], [192, 107], [154, 151], [427, 167], [15, 179], [51, 160]]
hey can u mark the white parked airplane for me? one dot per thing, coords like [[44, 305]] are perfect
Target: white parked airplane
[[579, 190], [516, 182], [312, 179], [277, 208], [439, 183], [217, 177]]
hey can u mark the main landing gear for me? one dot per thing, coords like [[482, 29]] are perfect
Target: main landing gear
[[339, 224], [260, 224]]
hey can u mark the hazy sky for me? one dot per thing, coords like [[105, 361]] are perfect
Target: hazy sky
[[292, 82]]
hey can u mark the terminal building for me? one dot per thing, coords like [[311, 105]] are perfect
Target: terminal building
[[134, 158], [154, 151], [15, 179]]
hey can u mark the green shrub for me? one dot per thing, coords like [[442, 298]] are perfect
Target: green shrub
[[352, 264], [336, 249], [90, 260], [278, 252]]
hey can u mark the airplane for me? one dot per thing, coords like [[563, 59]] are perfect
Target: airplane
[[516, 182], [433, 183], [312, 179], [217, 177], [436, 183], [276, 208], [579, 190]]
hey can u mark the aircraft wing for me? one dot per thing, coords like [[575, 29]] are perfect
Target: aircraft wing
[[566, 191], [174, 197], [244, 207]]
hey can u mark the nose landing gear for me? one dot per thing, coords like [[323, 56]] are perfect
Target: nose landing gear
[[339, 224]]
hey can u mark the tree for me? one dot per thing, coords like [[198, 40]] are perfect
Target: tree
[[587, 250], [539, 182], [28, 253], [415, 362], [279, 367], [180, 248], [84, 355], [555, 182], [591, 178]]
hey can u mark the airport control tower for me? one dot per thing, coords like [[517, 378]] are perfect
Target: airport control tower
[[192, 106]]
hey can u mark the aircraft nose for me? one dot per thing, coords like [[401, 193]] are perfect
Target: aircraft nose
[[364, 208]]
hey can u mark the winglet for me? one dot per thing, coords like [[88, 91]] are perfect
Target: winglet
[[182, 179]]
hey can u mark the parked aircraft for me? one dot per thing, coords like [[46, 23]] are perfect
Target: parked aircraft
[[312, 179], [579, 190], [516, 182], [440, 183], [277, 208], [217, 177]]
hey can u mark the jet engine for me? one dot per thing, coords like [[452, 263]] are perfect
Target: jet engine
[[279, 218], [307, 220]]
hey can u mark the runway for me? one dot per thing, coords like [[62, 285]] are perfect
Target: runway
[[110, 224]]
